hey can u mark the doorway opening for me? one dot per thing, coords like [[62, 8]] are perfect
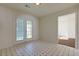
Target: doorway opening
[[67, 29]]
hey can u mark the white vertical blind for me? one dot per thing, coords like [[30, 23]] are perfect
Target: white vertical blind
[[66, 26]]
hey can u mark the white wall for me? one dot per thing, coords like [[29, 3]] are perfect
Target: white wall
[[8, 27], [48, 29], [77, 41], [6, 17]]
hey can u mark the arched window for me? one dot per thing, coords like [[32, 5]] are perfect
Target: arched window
[[23, 28]]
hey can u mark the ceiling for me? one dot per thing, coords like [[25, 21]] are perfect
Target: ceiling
[[39, 10]]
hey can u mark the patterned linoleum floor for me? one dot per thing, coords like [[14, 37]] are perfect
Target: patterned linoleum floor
[[38, 48]]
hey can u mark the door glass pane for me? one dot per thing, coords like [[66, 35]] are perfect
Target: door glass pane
[[29, 29], [20, 29]]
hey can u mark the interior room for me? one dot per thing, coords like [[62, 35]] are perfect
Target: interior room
[[43, 29]]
